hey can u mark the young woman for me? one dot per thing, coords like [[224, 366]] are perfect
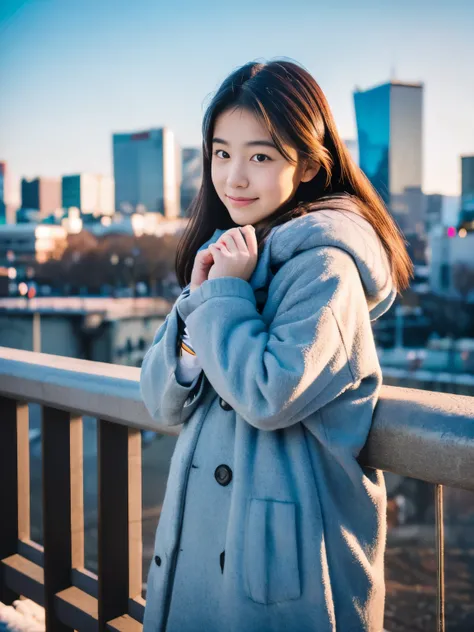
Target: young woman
[[268, 360]]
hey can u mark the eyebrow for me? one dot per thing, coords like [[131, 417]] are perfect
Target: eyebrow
[[252, 143]]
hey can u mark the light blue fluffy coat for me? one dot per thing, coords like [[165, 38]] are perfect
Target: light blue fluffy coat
[[301, 523]]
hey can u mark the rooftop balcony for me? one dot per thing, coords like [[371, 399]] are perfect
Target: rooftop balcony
[[420, 434]]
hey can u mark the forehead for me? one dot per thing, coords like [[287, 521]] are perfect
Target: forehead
[[240, 124]]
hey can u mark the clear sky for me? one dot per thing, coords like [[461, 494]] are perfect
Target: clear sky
[[72, 72]]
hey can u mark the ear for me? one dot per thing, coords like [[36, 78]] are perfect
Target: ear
[[310, 171]]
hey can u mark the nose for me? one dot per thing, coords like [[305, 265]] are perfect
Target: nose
[[236, 175]]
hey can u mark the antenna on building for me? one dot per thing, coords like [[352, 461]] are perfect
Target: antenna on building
[[393, 73]]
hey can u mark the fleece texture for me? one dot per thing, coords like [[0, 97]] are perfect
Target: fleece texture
[[269, 522]]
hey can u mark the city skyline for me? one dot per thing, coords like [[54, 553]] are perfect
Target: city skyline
[[92, 71]]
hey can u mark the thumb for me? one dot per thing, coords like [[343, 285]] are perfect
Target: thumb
[[205, 257]]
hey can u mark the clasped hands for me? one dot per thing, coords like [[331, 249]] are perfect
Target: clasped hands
[[234, 254]]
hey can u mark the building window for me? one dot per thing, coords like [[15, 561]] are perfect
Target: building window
[[444, 276]]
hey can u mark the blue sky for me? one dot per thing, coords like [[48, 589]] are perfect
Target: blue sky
[[72, 72]]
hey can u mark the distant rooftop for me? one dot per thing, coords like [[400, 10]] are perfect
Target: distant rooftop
[[392, 82], [107, 307]]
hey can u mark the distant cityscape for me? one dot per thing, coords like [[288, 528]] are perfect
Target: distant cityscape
[[87, 271], [155, 180]]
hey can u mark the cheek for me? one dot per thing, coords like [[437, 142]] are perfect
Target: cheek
[[215, 169], [213, 174], [279, 182]]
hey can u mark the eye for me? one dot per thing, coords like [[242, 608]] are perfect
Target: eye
[[217, 151], [260, 161], [264, 156]]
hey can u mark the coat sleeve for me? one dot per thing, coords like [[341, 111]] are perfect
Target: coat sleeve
[[168, 401], [276, 374]]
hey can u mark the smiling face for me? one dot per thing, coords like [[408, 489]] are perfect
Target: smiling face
[[246, 164]]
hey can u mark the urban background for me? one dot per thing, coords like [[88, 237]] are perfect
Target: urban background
[[87, 250]]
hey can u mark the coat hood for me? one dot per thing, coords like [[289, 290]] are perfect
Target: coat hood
[[340, 225]]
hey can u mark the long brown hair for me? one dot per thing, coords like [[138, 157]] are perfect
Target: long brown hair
[[292, 106]]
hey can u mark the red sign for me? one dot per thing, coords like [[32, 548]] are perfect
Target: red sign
[[140, 136]]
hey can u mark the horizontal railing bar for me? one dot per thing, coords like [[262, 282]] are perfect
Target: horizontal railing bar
[[98, 389], [86, 581], [423, 435], [124, 624], [420, 434], [136, 608], [31, 551], [77, 610], [24, 577]]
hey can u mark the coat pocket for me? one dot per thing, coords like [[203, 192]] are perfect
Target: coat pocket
[[271, 570]]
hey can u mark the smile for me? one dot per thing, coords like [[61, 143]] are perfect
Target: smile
[[241, 201]]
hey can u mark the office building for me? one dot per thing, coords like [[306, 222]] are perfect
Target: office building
[[390, 137], [192, 176], [41, 194], [147, 172], [90, 193], [434, 211], [467, 192], [3, 205], [451, 263]]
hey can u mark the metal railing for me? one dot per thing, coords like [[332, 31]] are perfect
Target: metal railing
[[419, 434]]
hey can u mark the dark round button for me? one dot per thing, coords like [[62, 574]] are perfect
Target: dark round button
[[223, 475], [157, 560], [224, 404]]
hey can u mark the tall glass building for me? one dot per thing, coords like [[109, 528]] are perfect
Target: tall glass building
[[192, 176], [467, 190], [3, 206], [147, 172], [41, 194], [389, 121], [90, 193]]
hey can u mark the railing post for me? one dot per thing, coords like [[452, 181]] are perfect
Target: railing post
[[113, 547], [61, 447], [439, 515], [14, 489]]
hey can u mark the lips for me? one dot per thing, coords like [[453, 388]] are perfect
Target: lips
[[241, 199]]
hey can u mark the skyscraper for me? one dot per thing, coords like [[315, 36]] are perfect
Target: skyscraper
[[147, 171], [3, 206], [88, 192], [41, 194], [434, 211], [390, 133], [192, 176], [467, 191]]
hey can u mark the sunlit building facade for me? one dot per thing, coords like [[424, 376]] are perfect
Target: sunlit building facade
[[467, 192], [41, 194], [3, 206], [389, 121], [192, 176], [90, 193], [147, 172]]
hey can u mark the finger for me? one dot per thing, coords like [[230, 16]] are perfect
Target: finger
[[204, 255], [251, 239], [234, 235], [227, 239], [240, 240], [204, 260], [219, 250]]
